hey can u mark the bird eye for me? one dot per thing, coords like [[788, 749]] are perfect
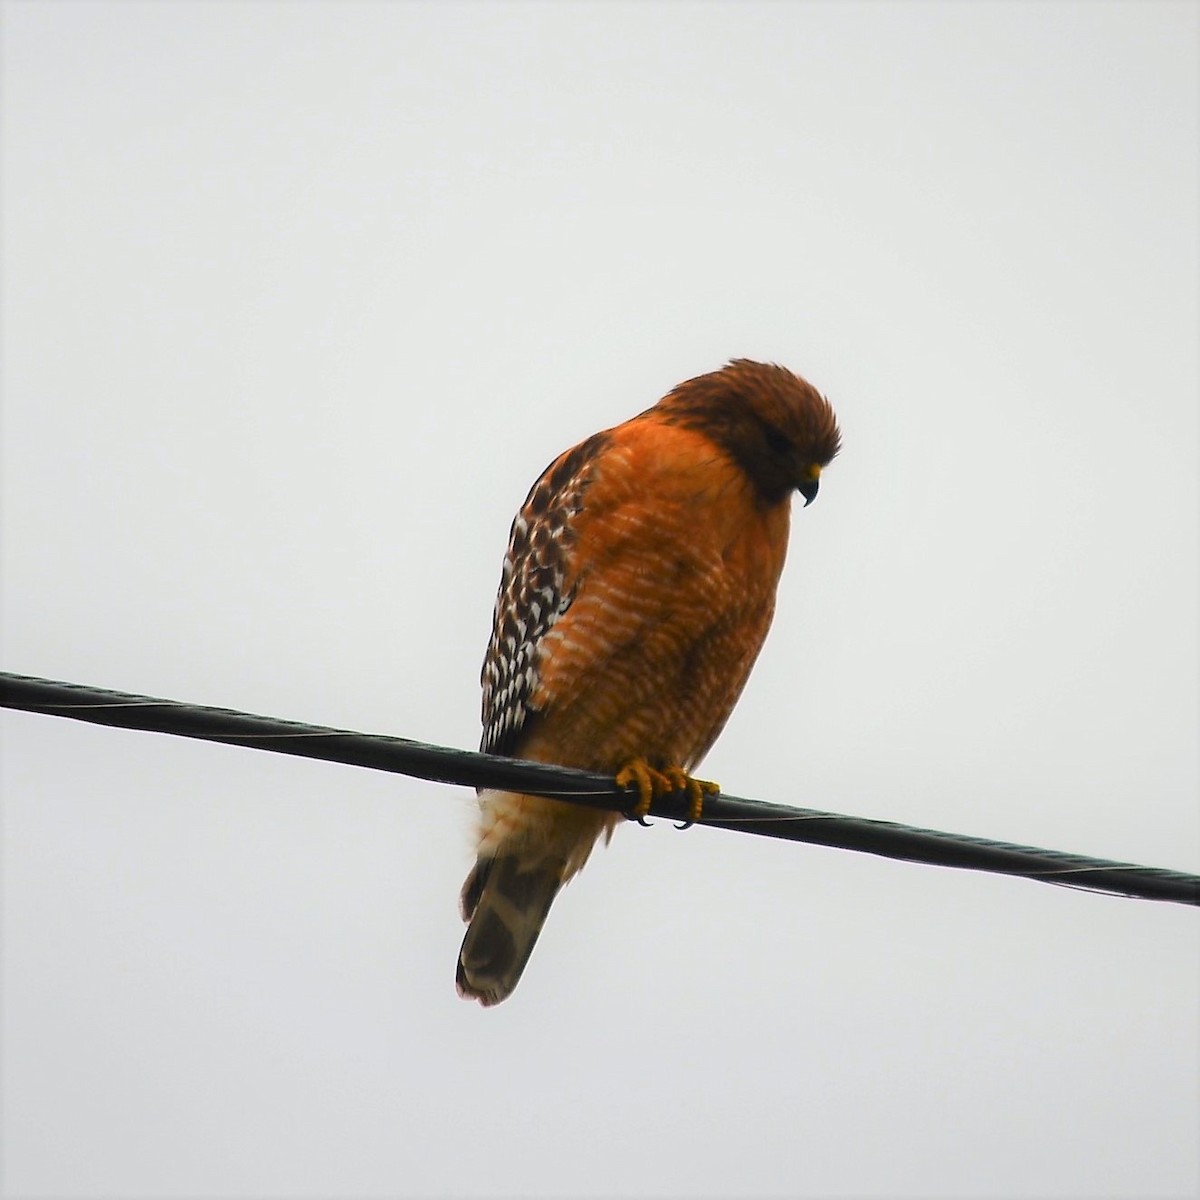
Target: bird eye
[[779, 442]]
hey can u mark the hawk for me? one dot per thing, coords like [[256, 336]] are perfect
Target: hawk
[[636, 592]]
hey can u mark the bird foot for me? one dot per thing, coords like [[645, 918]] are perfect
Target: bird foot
[[652, 785]]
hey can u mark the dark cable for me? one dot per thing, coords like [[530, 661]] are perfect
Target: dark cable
[[442, 765]]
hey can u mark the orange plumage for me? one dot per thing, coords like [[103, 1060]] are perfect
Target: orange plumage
[[637, 590]]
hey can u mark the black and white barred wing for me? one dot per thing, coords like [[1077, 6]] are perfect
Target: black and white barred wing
[[533, 595]]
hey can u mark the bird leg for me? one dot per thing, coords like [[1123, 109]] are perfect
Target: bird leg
[[653, 785]]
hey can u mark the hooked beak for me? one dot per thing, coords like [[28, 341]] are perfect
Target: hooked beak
[[810, 484]]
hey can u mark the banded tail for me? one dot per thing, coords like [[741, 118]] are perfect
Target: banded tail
[[505, 899]]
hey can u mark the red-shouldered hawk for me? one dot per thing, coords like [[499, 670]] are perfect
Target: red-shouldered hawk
[[637, 590]]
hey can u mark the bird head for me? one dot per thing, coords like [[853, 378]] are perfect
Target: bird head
[[777, 426]]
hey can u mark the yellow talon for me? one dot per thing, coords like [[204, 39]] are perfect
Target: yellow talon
[[697, 790], [653, 785], [639, 773]]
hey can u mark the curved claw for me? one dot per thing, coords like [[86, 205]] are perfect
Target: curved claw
[[696, 790], [653, 785], [638, 774]]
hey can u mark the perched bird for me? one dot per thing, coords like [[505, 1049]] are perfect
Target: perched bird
[[637, 589]]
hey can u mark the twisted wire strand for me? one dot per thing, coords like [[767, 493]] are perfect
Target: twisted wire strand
[[441, 764]]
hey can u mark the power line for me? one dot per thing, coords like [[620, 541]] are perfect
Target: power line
[[400, 756]]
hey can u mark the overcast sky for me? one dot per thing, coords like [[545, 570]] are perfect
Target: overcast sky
[[298, 299]]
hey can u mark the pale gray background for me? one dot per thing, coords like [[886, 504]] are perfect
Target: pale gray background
[[299, 299]]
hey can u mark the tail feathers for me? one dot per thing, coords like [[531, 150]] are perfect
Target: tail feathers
[[506, 900]]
